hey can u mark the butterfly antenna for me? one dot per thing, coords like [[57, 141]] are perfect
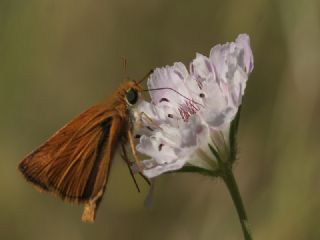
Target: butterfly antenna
[[125, 67], [171, 89], [146, 76]]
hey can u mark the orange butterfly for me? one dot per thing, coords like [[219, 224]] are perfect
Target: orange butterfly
[[75, 162]]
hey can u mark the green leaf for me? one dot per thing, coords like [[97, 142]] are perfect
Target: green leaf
[[233, 136], [215, 153], [194, 169]]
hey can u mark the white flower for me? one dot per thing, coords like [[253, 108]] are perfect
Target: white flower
[[192, 109]]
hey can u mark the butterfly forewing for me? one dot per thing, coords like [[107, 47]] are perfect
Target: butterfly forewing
[[74, 162]]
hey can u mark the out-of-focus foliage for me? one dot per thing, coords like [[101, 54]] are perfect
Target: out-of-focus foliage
[[59, 57]]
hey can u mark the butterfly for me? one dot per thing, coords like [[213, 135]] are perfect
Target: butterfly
[[74, 163]]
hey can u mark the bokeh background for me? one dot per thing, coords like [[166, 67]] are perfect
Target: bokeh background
[[59, 57]]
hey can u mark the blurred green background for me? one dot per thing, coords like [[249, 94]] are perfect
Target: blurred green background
[[59, 57]]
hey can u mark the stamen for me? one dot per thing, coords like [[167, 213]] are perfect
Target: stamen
[[200, 85], [149, 128], [188, 109], [160, 147], [164, 100]]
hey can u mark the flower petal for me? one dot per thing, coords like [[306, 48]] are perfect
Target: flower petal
[[201, 69], [153, 169], [154, 146], [232, 63], [168, 85], [243, 41], [170, 148], [218, 108]]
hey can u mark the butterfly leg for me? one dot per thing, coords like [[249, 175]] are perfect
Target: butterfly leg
[[149, 198], [147, 119], [126, 159], [133, 150]]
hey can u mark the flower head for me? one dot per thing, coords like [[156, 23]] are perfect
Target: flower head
[[190, 111]]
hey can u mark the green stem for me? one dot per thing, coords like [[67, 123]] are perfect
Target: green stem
[[233, 189]]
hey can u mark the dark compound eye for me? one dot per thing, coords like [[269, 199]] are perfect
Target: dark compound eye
[[132, 96]]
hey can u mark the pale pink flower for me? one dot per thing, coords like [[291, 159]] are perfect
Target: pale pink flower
[[192, 109]]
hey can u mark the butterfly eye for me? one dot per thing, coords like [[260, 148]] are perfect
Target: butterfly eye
[[132, 96]]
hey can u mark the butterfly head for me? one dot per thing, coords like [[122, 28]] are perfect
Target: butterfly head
[[133, 89]]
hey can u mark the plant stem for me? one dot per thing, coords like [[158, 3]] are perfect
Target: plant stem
[[233, 189]]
